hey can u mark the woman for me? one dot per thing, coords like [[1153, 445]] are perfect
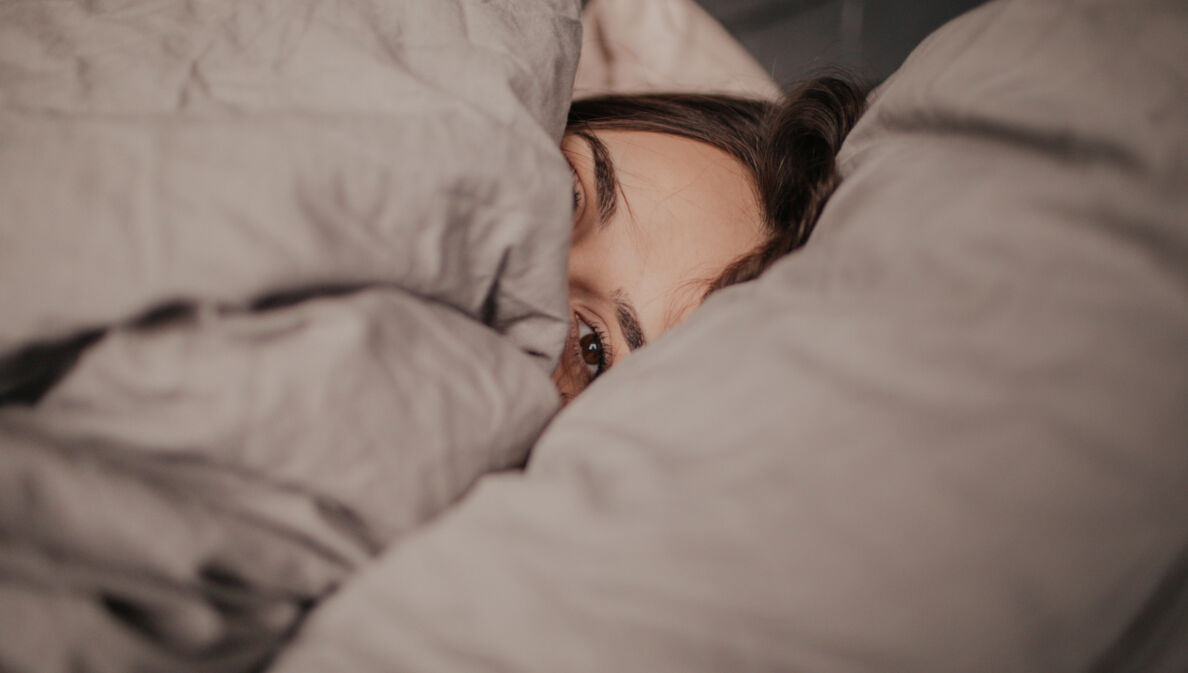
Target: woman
[[679, 195]]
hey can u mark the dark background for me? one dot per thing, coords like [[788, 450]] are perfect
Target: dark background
[[793, 39]]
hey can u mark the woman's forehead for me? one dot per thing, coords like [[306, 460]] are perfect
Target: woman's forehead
[[686, 210], [683, 193]]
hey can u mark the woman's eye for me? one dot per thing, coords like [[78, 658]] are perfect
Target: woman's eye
[[591, 348]]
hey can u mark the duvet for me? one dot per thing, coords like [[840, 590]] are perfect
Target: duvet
[[946, 436], [278, 281], [280, 278]]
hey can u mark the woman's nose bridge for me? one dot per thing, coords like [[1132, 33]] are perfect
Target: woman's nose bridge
[[588, 253], [578, 254]]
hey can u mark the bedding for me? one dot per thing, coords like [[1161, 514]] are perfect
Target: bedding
[[278, 281], [633, 46], [948, 435]]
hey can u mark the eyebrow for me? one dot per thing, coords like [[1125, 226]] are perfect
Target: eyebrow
[[605, 183], [628, 320]]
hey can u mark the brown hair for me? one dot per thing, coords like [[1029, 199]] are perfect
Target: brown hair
[[789, 147]]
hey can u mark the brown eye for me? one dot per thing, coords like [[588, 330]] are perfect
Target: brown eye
[[591, 349]]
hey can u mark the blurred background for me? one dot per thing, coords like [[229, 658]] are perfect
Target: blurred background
[[793, 39]]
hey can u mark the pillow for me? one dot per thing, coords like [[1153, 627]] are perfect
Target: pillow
[[634, 46], [948, 435]]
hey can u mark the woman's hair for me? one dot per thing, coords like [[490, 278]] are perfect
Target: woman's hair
[[789, 147]]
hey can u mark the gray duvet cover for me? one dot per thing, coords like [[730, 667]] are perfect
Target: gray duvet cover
[[949, 435], [306, 259]]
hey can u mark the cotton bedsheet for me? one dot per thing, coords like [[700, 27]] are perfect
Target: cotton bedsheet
[[278, 280]]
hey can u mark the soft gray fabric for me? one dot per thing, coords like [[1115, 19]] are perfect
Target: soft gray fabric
[[322, 247], [949, 435], [164, 150]]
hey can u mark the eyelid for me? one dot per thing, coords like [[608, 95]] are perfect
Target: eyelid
[[608, 350], [579, 188]]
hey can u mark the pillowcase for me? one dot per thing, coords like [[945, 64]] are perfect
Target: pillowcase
[[638, 46], [948, 435]]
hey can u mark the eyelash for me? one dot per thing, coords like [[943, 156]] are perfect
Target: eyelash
[[578, 196], [606, 355]]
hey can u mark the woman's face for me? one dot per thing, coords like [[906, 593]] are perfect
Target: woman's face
[[656, 219]]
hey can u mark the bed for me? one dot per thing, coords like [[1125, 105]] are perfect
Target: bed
[[281, 285]]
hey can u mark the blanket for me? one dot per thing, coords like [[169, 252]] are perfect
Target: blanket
[[946, 435], [278, 281]]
